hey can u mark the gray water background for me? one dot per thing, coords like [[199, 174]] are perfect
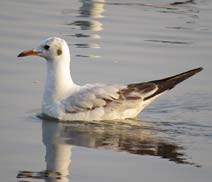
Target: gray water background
[[113, 42]]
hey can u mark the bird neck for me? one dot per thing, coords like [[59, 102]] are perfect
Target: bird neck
[[58, 80]]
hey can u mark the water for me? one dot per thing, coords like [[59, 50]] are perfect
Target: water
[[113, 42]]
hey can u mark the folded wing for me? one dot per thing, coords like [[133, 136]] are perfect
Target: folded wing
[[90, 97]]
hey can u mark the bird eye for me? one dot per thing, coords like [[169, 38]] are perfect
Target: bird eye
[[46, 47]]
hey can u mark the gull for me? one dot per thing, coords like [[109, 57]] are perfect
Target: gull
[[65, 100]]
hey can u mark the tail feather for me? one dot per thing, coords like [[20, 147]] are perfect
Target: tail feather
[[171, 82]]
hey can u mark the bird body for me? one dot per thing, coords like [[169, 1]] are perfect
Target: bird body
[[65, 100]]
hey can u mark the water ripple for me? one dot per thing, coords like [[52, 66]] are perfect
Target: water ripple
[[81, 45], [86, 25], [169, 42]]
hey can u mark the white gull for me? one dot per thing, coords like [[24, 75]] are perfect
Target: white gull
[[65, 100]]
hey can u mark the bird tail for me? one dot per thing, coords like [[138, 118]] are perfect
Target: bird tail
[[170, 82]]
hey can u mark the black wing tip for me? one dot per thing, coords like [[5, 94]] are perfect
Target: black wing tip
[[182, 76], [198, 69], [170, 82], [191, 72]]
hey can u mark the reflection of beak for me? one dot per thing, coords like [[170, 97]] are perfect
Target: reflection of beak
[[28, 53]]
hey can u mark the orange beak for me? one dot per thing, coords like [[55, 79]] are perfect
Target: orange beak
[[28, 53]]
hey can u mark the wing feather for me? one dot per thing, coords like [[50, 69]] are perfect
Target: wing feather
[[89, 97]]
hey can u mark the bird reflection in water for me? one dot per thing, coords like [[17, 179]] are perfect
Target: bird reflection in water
[[131, 136]]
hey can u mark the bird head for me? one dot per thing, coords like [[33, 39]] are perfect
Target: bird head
[[52, 48]]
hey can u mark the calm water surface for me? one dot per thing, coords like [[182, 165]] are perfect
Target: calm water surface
[[111, 41]]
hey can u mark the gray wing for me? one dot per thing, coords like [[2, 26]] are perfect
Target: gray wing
[[90, 97]]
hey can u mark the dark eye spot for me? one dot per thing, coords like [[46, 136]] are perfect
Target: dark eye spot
[[46, 47], [59, 52]]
